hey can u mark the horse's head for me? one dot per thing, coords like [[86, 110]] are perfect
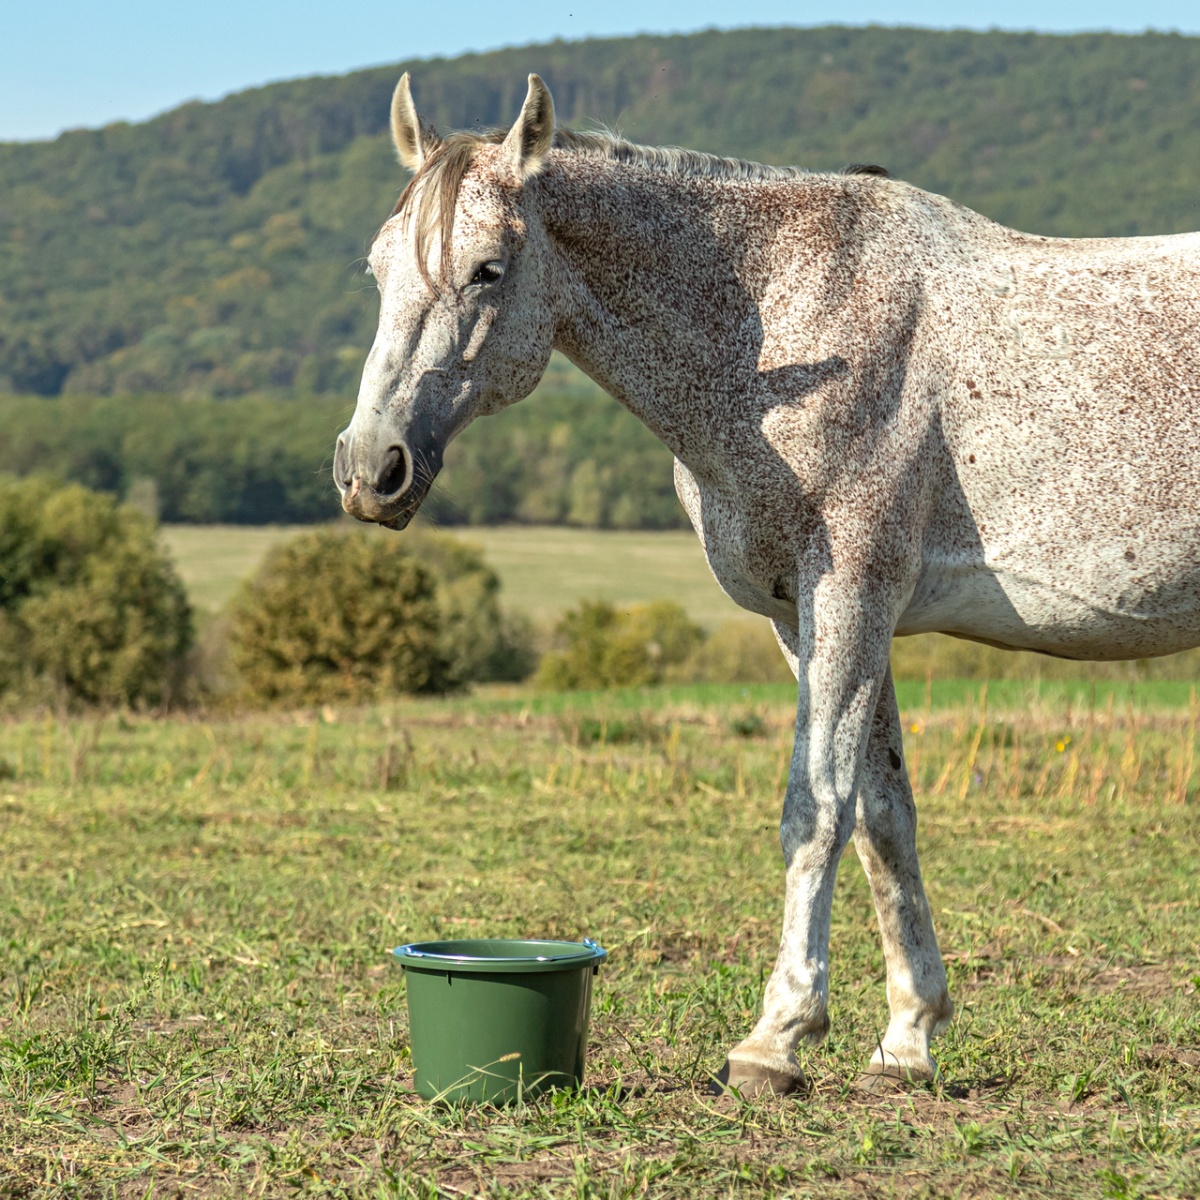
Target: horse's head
[[465, 324]]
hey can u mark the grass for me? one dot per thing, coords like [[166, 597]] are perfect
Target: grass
[[1072, 700], [195, 995], [213, 559]]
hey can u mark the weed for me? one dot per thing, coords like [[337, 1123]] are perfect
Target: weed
[[748, 725]]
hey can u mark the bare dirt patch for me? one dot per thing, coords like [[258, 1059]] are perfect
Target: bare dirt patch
[[1152, 981], [1160, 1053]]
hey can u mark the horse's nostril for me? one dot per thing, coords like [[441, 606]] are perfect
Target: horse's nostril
[[342, 475], [395, 473]]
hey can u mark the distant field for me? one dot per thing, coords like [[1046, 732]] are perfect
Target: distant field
[[543, 569], [213, 559], [546, 569]]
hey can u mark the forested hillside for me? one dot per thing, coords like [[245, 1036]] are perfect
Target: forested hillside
[[182, 304], [214, 250]]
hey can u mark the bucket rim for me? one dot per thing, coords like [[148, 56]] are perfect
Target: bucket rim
[[503, 955]]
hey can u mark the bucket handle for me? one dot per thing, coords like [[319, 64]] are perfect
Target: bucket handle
[[595, 946], [591, 945]]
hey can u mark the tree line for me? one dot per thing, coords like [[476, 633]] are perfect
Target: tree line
[[567, 455]]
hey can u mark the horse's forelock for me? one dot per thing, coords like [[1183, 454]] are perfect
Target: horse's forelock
[[431, 195]]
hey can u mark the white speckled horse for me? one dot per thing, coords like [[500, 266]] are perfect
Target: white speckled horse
[[889, 414]]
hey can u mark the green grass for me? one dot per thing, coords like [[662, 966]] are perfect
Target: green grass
[[213, 559], [1072, 699], [196, 999]]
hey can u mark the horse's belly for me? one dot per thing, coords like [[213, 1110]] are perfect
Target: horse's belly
[[1085, 614]]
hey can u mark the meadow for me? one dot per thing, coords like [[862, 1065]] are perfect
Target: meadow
[[542, 569], [545, 570], [196, 912]]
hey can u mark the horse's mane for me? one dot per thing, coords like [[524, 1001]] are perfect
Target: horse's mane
[[435, 187], [669, 160]]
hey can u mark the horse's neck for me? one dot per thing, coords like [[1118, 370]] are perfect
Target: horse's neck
[[658, 291]]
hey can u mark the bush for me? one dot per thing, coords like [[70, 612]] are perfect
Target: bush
[[739, 651], [341, 615], [90, 606], [481, 641], [337, 617], [601, 646]]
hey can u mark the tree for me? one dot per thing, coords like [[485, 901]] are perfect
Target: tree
[[91, 609]]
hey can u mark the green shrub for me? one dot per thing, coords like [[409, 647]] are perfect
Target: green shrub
[[91, 609], [332, 616], [599, 646], [350, 615], [588, 730], [481, 641]]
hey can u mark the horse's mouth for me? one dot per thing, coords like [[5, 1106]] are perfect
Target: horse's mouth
[[401, 520], [364, 503], [387, 492]]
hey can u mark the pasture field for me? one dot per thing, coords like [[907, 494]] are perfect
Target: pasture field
[[543, 569], [546, 569], [195, 917], [213, 559]]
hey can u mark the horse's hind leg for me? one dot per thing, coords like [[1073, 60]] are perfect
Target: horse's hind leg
[[885, 838]]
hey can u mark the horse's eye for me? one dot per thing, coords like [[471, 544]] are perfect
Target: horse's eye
[[489, 272]]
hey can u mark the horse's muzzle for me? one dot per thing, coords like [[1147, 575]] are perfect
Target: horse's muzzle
[[386, 487]]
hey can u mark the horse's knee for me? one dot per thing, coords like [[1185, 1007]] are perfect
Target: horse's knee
[[887, 813]]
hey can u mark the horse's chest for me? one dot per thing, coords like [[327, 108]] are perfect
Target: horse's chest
[[746, 547]]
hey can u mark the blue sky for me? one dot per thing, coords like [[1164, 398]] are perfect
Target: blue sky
[[70, 63]]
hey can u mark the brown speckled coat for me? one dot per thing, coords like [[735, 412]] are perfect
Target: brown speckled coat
[[889, 416]]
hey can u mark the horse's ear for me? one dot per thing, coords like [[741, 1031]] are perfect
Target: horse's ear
[[414, 137], [530, 139]]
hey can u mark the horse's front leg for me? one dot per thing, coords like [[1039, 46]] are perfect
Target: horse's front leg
[[841, 661]]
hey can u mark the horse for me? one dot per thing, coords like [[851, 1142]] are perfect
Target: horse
[[889, 416]]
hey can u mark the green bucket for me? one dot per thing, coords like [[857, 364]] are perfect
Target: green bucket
[[498, 1019]]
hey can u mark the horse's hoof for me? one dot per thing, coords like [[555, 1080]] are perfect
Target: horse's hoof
[[882, 1081], [749, 1080]]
